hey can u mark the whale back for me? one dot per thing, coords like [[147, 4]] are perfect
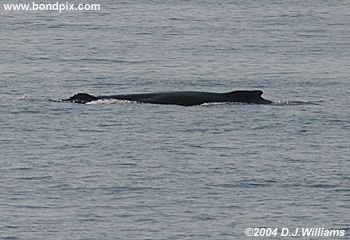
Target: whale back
[[184, 98], [81, 98]]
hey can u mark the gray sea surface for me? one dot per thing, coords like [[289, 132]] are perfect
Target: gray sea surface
[[122, 170]]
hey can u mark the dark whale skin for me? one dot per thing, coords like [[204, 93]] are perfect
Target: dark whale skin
[[182, 98]]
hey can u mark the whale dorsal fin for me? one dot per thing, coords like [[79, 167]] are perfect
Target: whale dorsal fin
[[81, 98], [246, 96]]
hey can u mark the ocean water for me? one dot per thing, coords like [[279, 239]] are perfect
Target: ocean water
[[119, 170]]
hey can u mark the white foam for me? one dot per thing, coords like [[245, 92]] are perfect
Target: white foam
[[214, 104], [109, 101]]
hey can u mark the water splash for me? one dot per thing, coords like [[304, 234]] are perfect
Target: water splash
[[28, 98], [293, 103]]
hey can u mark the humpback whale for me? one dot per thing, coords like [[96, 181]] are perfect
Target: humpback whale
[[182, 98]]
